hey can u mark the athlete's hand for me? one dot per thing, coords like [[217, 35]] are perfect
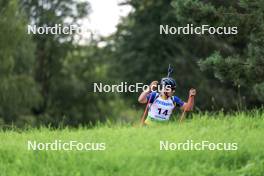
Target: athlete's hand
[[192, 92], [153, 85]]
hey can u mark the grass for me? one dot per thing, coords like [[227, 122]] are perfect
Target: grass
[[135, 151]]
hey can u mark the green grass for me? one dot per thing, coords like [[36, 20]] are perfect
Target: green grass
[[135, 151]]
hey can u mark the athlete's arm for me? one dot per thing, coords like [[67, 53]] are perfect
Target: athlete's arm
[[143, 96], [189, 105]]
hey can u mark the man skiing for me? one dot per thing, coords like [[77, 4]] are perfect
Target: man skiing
[[160, 105]]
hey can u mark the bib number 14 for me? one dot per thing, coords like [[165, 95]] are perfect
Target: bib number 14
[[165, 112]]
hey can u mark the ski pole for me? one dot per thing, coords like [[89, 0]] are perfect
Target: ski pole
[[185, 109], [183, 115], [142, 121]]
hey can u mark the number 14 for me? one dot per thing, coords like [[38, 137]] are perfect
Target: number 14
[[165, 112]]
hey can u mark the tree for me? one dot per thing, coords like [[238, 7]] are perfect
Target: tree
[[142, 54], [18, 90], [243, 68], [52, 51]]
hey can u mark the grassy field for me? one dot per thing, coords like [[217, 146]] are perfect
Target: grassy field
[[136, 151]]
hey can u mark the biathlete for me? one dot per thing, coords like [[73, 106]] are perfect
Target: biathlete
[[160, 105]]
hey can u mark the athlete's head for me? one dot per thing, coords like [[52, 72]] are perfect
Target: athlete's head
[[168, 86]]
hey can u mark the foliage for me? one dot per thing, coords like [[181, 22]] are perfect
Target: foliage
[[18, 91], [48, 79], [242, 68], [141, 54]]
